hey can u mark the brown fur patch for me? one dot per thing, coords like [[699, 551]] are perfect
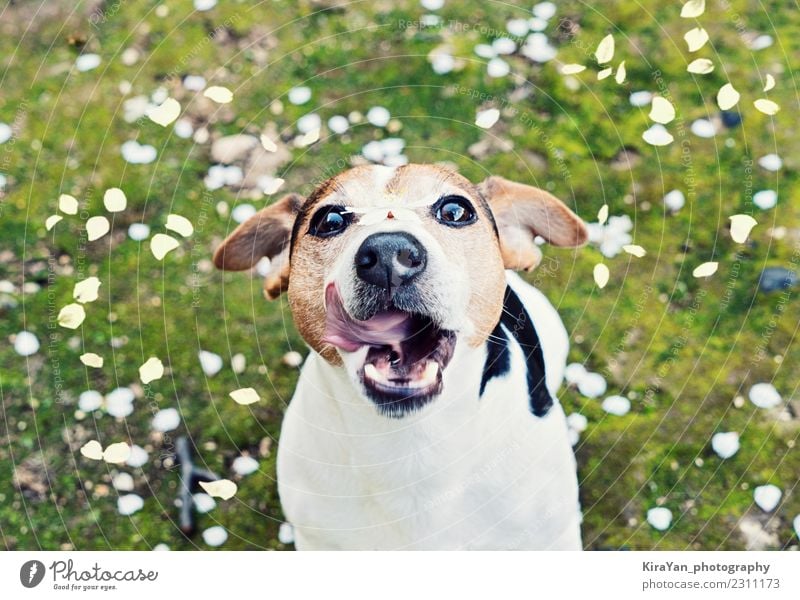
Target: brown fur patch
[[523, 211], [264, 234]]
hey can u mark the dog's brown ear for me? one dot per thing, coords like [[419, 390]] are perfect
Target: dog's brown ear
[[522, 212], [266, 233]]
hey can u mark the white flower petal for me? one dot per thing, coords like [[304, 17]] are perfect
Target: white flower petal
[[572, 69], [203, 503], [605, 50], [162, 244], [592, 385], [770, 162], [693, 9], [166, 420], [90, 359], [222, 488], [659, 517], [741, 225], [604, 74], [486, 118], [635, 250], [767, 497], [696, 38], [92, 450], [165, 113], [622, 73], [51, 221], [138, 457], [657, 135], [97, 227], [138, 231], [86, 290], [245, 396], [662, 110], [727, 97], [90, 400], [286, 532], [151, 370], [707, 269], [765, 199], [700, 66], [674, 200], [68, 204], [244, 465], [601, 275], [26, 343], [114, 200], [179, 224], [299, 95], [117, 453], [267, 143], [129, 504], [210, 363], [764, 395], [292, 359], [726, 444], [616, 405], [219, 94], [271, 185], [71, 316], [602, 214], [123, 482], [215, 536], [770, 83], [378, 116], [768, 107]]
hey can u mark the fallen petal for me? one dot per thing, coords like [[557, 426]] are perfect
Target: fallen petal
[[151, 370], [741, 225], [245, 396], [71, 316], [162, 244], [97, 227], [218, 94], [179, 224], [707, 269], [92, 450], [222, 488]]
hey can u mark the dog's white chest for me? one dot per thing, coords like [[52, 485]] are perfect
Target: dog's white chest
[[463, 473]]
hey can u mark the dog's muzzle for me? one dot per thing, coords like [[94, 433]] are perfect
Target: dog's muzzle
[[406, 349]]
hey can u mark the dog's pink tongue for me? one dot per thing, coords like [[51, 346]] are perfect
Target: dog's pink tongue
[[387, 328]]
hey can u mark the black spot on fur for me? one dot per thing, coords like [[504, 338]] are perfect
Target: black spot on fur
[[498, 361], [517, 321]]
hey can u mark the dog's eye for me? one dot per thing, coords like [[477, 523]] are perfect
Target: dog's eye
[[454, 211], [329, 221]]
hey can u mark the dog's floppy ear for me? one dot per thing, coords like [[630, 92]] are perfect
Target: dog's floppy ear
[[266, 233], [522, 212]]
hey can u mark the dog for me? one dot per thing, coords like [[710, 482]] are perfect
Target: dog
[[425, 415]]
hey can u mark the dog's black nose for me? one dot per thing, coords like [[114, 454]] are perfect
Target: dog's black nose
[[390, 259]]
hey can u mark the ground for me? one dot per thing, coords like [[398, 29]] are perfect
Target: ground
[[684, 350]]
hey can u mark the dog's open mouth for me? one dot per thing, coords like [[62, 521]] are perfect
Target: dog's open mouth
[[406, 353]]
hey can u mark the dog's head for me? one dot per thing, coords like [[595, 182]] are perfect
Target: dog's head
[[388, 268]]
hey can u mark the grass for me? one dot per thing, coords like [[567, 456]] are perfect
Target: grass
[[681, 348]]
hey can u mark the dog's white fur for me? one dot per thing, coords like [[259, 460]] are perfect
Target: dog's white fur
[[462, 473]]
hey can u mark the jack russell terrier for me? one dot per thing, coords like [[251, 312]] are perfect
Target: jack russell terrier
[[424, 417]]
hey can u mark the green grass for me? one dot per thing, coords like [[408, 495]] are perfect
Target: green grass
[[680, 347]]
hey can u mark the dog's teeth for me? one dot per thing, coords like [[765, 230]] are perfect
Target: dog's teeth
[[372, 372], [431, 369]]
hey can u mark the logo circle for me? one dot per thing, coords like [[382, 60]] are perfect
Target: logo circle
[[31, 573]]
